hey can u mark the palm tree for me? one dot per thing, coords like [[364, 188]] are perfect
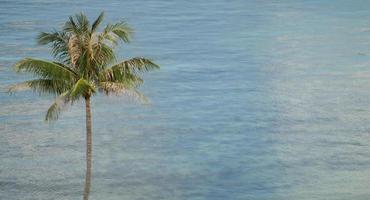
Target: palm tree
[[84, 64]]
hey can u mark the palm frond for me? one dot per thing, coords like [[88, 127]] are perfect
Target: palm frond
[[42, 86], [74, 49], [45, 38], [131, 80], [77, 24], [19, 87], [109, 87], [82, 22], [103, 54], [70, 26], [55, 108], [45, 69], [97, 22], [58, 41], [85, 67], [119, 30], [136, 65], [81, 89], [117, 88]]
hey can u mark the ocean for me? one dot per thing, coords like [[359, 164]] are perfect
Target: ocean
[[255, 100]]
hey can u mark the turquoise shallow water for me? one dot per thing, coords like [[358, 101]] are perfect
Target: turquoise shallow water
[[255, 100]]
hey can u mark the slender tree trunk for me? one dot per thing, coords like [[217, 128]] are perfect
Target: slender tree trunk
[[88, 149]]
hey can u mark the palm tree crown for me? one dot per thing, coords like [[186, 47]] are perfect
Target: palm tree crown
[[85, 63]]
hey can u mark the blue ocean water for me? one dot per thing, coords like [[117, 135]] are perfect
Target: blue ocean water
[[255, 100]]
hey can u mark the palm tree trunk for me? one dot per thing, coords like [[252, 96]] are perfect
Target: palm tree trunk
[[88, 149]]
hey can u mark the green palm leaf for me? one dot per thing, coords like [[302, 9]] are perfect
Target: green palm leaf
[[45, 38], [58, 41], [119, 30], [136, 65], [77, 24], [103, 54], [97, 22], [118, 75], [42, 86], [81, 89], [55, 108], [45, 69]]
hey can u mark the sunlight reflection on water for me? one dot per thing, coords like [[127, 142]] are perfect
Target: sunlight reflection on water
[[255, 100]]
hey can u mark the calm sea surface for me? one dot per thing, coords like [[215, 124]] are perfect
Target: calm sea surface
[[255, 100]]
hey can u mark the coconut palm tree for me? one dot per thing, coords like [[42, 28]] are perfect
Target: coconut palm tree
[[84, 64]]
